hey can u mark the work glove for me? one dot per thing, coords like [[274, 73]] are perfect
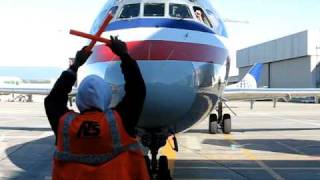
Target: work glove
[[82, 56], [80, 59], [118, 47]]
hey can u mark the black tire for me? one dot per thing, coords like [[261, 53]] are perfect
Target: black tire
[[164, 175], [148, 163], [163, 171], [163, 163], [213, 117], [213, 128], [213, 124], [226, 125]]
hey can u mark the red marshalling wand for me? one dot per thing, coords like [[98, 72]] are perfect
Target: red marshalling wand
[[95, 37]]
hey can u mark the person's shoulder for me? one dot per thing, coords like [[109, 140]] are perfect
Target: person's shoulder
[[70, 114], [114, 111]]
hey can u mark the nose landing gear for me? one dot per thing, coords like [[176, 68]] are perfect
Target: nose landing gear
[[222, 121], [154, 139]]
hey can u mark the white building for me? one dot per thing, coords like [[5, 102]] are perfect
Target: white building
[[289, 62]]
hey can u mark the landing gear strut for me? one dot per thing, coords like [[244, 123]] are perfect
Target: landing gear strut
[[222, 121], [154, 139]]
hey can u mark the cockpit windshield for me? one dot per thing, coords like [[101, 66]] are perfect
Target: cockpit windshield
[[179, 11], [203, 12], [130, 11], [153, 9]]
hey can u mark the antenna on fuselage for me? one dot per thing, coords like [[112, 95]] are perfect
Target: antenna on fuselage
[[227, 20]]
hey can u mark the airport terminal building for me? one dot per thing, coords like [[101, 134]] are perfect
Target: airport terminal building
[[289, 62]]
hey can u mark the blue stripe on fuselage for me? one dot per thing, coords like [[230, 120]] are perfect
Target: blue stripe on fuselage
[[159, 22]]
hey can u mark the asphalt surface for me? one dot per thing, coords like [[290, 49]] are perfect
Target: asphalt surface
[[266, 143]]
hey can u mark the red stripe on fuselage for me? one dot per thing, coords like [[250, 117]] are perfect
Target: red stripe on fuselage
[[164, 50]]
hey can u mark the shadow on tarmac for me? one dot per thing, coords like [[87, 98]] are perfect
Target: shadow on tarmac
[[247, 170], [288, 146], [206, 131], [35, 160], [24, 129]]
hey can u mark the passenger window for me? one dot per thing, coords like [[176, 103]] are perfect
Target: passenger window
[[179, 11], [153, 9], [130, 11]]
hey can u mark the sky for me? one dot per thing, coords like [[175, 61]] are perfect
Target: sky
[[35, 32]]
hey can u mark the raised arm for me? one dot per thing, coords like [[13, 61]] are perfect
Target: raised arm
[[131, 105], [56, 102]]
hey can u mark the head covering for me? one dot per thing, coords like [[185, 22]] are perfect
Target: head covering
[[93, 92]]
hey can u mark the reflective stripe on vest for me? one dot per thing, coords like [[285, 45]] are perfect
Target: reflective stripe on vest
[[94, 158], [66, 124], [115, 135], [118, 148]]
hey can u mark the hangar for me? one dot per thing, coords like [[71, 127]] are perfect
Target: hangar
[[289, 62]]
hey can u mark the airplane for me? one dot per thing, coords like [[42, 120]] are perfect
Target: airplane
[[247, 89], [250, 80], [15, 85], [185, 63], [10, 80]]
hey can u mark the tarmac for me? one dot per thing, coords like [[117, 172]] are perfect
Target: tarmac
[[266, 143]]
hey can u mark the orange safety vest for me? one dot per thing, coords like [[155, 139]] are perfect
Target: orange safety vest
[[95, 145]]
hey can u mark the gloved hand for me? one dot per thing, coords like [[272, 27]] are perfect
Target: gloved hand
[[81, 57], [118, 47]]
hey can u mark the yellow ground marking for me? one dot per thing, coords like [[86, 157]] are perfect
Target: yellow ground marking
[[170, 153], [252, 157]]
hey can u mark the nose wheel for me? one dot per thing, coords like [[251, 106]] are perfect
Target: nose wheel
[[221, 120], [154, 139], [213, 124], [162, 172], [226, 124]]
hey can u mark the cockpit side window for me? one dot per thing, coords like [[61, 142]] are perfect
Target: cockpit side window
[[201, 16], [130, 11], [153, 9], [179, 11], [113, 10], [217, 23]]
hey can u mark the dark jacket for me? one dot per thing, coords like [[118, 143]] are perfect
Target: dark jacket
[[129, 107]]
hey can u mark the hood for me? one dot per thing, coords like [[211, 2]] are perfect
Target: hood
[[93, 92]]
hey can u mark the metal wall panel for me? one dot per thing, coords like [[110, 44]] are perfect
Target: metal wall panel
[[315, 70], [288, 47], [293, 73]]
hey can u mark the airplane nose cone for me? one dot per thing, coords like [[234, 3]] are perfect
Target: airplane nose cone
[[173, 98], [170, 92]]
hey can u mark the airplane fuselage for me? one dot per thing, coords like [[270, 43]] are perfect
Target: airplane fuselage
[[177, 55]]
